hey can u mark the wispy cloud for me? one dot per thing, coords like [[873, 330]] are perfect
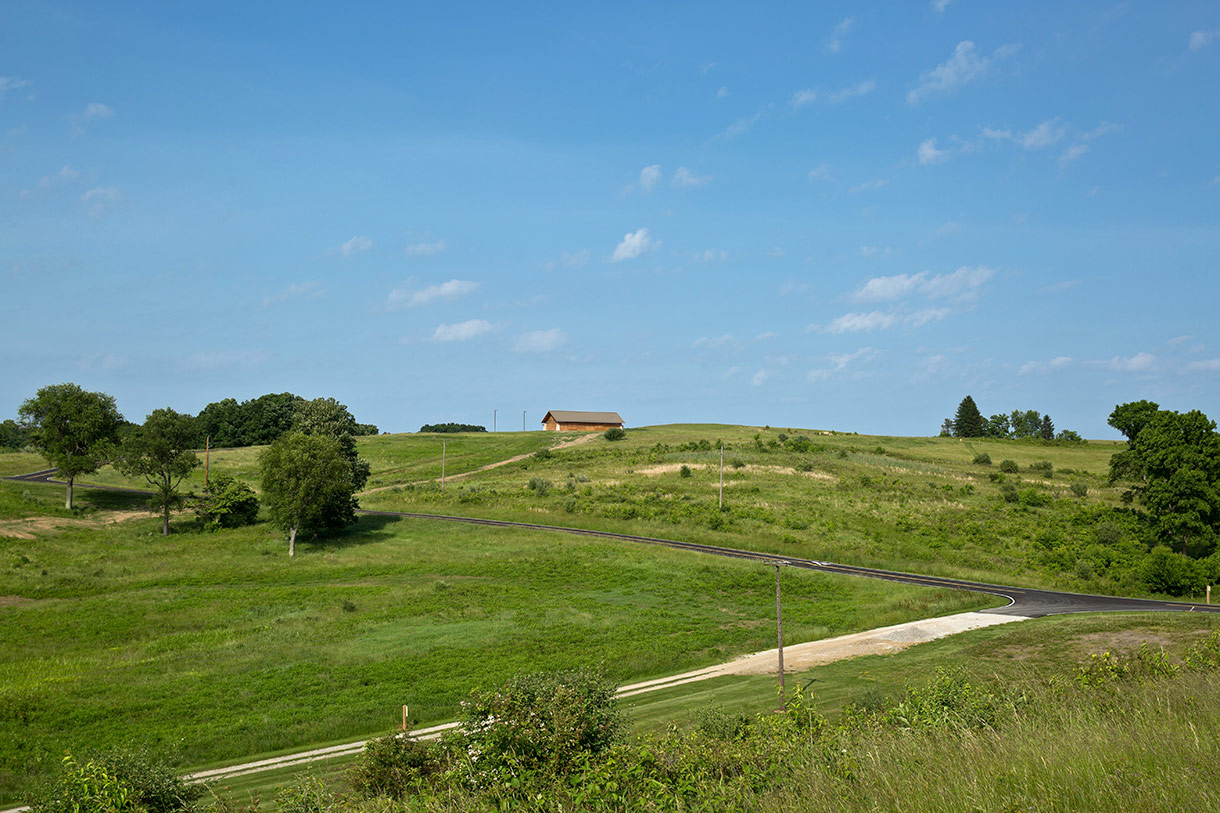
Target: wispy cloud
[[963, 67], [461, 331], [760, 378], [1139, 363], [576, 259], [1201, 39], [868, 186], [1209, 366], [851, 91], [685, 179], [356, 245], [874, 252], [450, 291], [939, 6], [962, 283], [540, 341], [713, 342], [741, 125], [1062, 285], [840, 363], [1057, 363], [8, 83], [711, 255], [48, 183], [928, 154], [633, 245], [227, 358], [819, 173], [425, 249], [803, 97], [862, 322], [294, 291], [722, 93], [101, 198], [649, 176], [835, 43], [97, 110]]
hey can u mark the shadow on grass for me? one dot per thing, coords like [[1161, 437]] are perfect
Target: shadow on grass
[[367, 529]]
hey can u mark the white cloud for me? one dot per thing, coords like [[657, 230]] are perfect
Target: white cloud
[[858, 89], [792, 286], [741, 125], [873, 252], [1176, 340], [425, 249], [840, 362], [101, 361], [97, 110], [293, 291], [963, 67], [8, 83], [835, 43], [540, 341], [714, 342], [461, 331], [923, 317], [449, 291], [868, 185], [1209, 366], [578, 259], [803, 97], [1044, 135], [685, 179], [356, 245], [649, 176], [711, 256], [928, 154], [1139, 363], [963, 282], [759, 378], [948, 228], [1202, 39], [47, 183], [722, 93], [227, 358], [857, 322], [884, 289], [819, 173], [633, 245], [939, 6], [102, 198], [1072, 153]]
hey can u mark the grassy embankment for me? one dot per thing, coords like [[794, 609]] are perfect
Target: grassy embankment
[[221, 643]]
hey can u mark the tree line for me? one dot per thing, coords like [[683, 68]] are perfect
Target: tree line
[[968, 422], [310, 472]]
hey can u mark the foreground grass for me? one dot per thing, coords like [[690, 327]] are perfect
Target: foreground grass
[[223, 646]]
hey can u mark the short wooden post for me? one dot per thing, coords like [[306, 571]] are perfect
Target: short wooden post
[[1209, 594], [404, 718], [442, 465], [779, 631]]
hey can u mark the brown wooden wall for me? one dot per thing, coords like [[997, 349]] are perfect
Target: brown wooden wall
[[552, 426]]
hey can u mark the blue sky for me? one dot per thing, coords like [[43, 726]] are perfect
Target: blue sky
[[837, 216]]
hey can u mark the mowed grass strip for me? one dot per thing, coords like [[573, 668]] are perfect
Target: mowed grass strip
[[221, 644]]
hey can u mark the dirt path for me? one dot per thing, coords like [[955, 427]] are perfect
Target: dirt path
[[28, 527], [567, 444]]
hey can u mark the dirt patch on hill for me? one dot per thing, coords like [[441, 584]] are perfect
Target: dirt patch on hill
[[29, 527], [671, 468]]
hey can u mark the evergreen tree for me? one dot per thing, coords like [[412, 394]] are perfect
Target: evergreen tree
[[1048, 428], [969, 422]]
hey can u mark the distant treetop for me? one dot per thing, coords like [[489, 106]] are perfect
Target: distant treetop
[[452, 427]]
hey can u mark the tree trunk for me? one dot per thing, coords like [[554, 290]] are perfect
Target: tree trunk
[[165, 522], [292, 540], [69, 503]]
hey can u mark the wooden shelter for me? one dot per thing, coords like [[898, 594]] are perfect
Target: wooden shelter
[[561, 420]]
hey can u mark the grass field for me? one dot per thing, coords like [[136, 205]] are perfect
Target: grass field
[[220, 642]]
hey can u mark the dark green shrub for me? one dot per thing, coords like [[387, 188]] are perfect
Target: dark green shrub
[[540, 486], [1044, 467], [1164, 571], [684, 471], [737, 463], [306, 795], [542, 723], [995, 477], [391, 766], [1035, 498], [1009, 492], [1009, 466], [615, 433], [229, 503], [982, 459], [543, 454], [1080, 489], [127, 779]]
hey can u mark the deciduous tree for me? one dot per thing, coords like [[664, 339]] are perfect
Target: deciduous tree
[[307, 484], [75, 430], [162, 452]]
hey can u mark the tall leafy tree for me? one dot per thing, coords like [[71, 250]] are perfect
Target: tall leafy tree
[[969, 422], [307, 484], [75, 430], [998, 426], [162, 452], [327, 417], [1131, 417], [1174, 462]]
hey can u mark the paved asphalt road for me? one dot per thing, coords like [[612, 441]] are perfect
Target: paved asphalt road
[[1025, 601]]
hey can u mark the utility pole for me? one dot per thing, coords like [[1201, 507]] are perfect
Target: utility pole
[[523, 420], [722, 475], [779, 630], [442, 465], [207, 462], [493, 419]]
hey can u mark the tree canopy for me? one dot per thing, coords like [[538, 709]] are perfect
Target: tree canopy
[[968, 422], [1131, 417], [452, 427], [307, 484], [250, 423], [162, 452], [1174, 464], [75, 430]]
